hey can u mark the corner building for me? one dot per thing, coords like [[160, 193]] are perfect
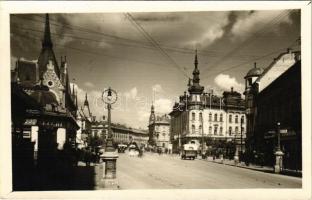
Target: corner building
[[204, 117]]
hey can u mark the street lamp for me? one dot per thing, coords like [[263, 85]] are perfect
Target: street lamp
[[278, 154], [241, 139], [110, 156]]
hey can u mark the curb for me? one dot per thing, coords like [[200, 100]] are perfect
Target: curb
[[259, 170]]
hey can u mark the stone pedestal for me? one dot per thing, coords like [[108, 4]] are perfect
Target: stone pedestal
[[109, 179], [278, 167]]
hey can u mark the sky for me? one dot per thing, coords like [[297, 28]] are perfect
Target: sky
[[148, 57]]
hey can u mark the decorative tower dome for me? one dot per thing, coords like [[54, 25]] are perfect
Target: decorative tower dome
[[195, 87], [254, 72]]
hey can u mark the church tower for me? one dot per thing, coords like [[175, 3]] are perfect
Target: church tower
[[151, 127], [194, 87], [152, 115], [86, 108]]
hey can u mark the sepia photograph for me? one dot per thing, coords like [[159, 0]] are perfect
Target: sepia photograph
[[157, 100]]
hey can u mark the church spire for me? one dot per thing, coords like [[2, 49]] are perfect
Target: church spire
[[86, 106], [47, 42], [196, 71], [86, 103], [195, 87]]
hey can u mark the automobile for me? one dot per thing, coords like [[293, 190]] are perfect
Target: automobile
[[189, 151], [121, 148], [133, 151]]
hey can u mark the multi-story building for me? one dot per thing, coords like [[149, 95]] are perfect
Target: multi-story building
[[159, 129], [201, 116], [121, 133], [274, 96]]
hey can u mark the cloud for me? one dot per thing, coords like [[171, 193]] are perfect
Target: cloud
[[224, 81], [157, 88], [94, 97], [163, 105], [248, 23], [132, 93], [89, 84]]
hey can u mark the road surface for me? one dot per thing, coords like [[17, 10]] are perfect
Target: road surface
[[166, 171]]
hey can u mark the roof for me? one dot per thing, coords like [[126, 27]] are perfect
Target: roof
[[254, 72], [43, 96], [279, 66], [27, 72]]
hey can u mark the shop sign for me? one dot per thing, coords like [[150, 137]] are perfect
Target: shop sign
[[30, 122]]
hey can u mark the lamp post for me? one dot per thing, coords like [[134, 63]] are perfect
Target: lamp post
[[110, 155], [236, 157], [241, 140], [278, 154]]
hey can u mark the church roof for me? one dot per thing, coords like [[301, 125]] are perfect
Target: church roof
[[47, 52]]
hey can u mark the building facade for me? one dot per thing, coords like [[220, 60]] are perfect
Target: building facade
[[275, 97], [159, 130], [202, 117], [121, 133], [48, 125]]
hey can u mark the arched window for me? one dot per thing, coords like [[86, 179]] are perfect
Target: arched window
[[210, 116], [236, 119], [200, 129], [243, 130], [215, 117], [221, 130], [210, 129], [215, 130], [243, 119], [193, 116], [230, 130], [230, 118], [200, 117], [193, 129], [236, 129], [221, 117]]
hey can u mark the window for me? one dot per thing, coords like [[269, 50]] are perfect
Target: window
[[215, 130], [236, 129], [230, 130], [210, 129], [210, 116], [242, 120], [200, 129], [221, 117], [216, 117], [221, 130], [201, 117], [193, 129], [230, 118], [236, 119], [243, 130], [193, 116]]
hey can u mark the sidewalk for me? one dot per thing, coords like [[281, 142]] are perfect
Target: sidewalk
[[266, 169]]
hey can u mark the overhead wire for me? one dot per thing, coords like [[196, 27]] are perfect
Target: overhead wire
[[154, 43], [249, 40]]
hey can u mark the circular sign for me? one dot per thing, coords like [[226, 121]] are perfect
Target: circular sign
[[109, 96]]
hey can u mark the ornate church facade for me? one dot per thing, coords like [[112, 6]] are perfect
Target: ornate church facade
[[49, 125]]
